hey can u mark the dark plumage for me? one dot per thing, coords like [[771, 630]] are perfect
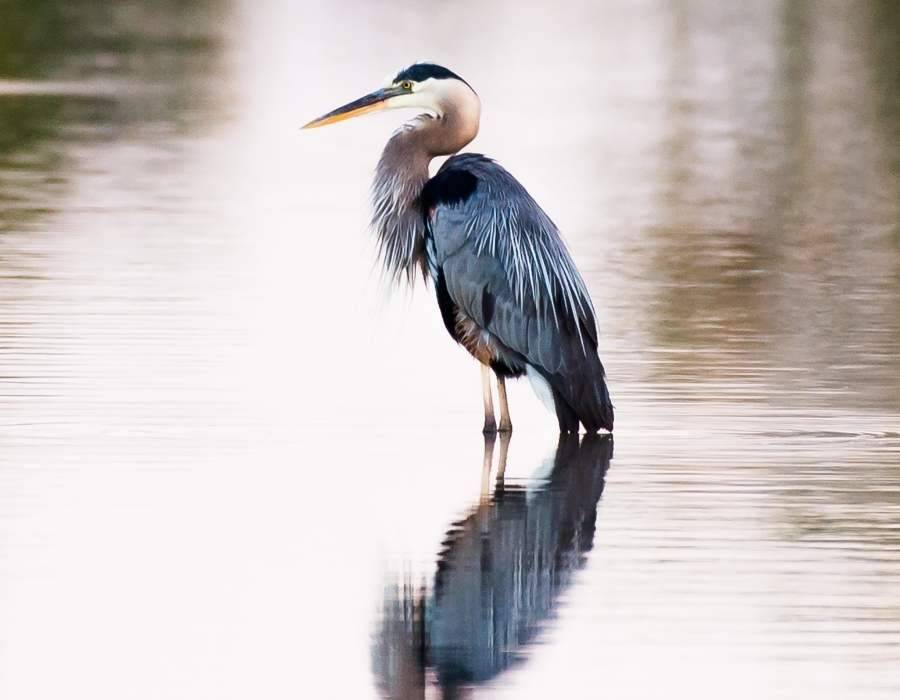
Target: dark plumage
[[544, 321], [450, 186]]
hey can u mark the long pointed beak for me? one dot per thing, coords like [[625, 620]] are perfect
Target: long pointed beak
[[372, 102]]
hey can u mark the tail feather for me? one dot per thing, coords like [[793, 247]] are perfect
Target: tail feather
[[592, 402], [580, 395], [568, 419]]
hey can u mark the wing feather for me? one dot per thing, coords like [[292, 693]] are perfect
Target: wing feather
[[500, 220], [497, 250]]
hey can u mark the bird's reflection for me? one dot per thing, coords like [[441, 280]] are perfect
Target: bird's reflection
[[499, 575]]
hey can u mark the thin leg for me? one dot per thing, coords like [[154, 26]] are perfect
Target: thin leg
[[505, 422], [490, 425]]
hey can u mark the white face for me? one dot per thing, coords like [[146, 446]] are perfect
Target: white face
[[436, 97]]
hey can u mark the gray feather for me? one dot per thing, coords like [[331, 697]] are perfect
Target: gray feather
[[541, 312], [502, 221], [397, 220]]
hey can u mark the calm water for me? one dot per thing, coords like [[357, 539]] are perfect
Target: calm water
[[235, 465]]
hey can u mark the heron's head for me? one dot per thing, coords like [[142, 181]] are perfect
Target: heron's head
[[437, 91]]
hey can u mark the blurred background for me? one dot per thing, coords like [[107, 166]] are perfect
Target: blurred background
[[234, 463]]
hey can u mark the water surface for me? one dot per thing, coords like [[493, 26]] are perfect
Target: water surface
[[235, 465]]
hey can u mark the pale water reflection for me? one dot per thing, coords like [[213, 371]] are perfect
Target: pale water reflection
[[221, 436]]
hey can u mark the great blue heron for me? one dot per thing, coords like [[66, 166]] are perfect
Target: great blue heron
[[506, 286]]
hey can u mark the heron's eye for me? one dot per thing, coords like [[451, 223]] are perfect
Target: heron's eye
[[406, 85]]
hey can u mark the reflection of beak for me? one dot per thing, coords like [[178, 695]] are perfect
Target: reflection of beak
[[372, 102]]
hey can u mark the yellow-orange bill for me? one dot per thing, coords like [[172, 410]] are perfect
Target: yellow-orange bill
[[372, 102]]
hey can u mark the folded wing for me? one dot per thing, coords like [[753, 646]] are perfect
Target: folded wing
[[501, 261]]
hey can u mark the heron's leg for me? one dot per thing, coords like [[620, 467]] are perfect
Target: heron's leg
[[490, 425], [505, 422]]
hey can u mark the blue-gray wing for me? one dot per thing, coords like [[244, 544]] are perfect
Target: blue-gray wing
[[500, 260]]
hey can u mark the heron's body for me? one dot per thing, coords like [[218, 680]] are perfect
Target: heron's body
[[507, 289]]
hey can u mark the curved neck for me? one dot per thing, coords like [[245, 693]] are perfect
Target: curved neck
[[459, 113], [402, 172]]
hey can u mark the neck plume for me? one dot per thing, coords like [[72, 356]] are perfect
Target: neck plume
[[397, 219], [401, 174]]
